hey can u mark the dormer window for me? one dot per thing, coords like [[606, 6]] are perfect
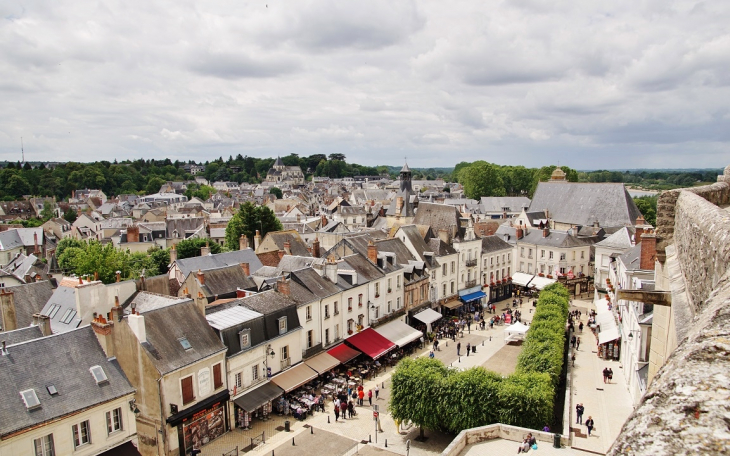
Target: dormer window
[[282, 325], [30, 399], [99, 375], [245, 338]]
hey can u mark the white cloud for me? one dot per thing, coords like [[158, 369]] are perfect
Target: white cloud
[[521, 82]]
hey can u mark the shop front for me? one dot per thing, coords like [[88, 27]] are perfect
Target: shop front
[[255, 404], [201, 423], [472, 299]]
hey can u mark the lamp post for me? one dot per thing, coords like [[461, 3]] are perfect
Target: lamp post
[[269, 351]]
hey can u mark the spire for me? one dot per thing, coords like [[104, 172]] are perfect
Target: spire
[[405, 169], [278, 162]]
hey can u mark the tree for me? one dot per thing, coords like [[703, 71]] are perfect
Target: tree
[[154, 185], [276, 191], [340, 157], [47, 211], [247, 220], [481, 179], [191, 247], [160, 258], [70, 215], [647, 206]]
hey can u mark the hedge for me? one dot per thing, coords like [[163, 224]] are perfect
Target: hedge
[[436, 397]]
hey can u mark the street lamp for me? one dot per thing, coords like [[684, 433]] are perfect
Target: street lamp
[[631, 333]]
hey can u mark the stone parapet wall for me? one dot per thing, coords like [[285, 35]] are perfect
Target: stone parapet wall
[[702, 240], [717, 193], [497, 431]]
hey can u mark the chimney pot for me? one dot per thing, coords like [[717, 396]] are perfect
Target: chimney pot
[[246, 269], [201, 277], [373, 252], [315, 248], [283, 287]]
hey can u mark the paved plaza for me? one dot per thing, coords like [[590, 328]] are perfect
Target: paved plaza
[[610, 406]]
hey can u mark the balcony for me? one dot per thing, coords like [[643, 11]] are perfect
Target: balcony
[[470, 263], [470, 283], [285, 363]]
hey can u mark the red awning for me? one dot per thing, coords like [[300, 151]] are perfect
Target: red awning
[[371, 343], [343, 353]]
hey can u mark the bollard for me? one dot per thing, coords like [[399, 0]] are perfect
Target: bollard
[[459, 358], [482, 343], [370, 438], [490, 338], [386, 443], [382, 385], [292, 442], [311, 429], [328, 419]]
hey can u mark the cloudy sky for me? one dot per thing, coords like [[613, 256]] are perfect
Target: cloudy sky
[[617, 84]]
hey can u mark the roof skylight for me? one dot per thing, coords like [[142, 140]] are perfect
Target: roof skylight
[[99, 374], [30, 398], [185, 344]]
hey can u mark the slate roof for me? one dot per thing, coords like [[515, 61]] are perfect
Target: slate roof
[[166, 325], [438, 217], [30, 298], [222, 281], [412, 233], [10, 239], [61, 360], [364, 268], [273, 305], [498, 203], [494, 244], [621, 239], [146, 301], [297, 245], [183, 226], [61, 307], [584, 203], [440, 248], [632, 258], [21, 335], [205, 262], [316, 284], [555, 238]]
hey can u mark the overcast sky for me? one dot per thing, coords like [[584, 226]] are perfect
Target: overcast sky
[[611, 84]]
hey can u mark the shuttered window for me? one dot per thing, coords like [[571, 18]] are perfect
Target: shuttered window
[[187, 390], [217, 377]]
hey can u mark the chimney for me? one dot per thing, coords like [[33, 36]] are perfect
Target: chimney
[[143, 282], [640, 223], [103, 330], [136, 324], [36, 250], [173, 254], [330, 269], [282, 286], [96, 276], [201, 277], [398, 205], [242, 242], [119, 276], [240, 293], [324, 221], [117, 312], [648, 250], [287, 247], [257, 240], [299, 218], [8, 316], [373, 252], [132, 234], [545, 232], [315, 248], [246, 269], [518, 232], [43, 322], [205, 250]]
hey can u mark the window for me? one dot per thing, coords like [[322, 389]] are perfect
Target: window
[[238, 379], [349, 304], [390, 285], [582, 253], [542, 254], [30, 398], [44, 446], [82, 436], [186, 384], [453, 285], [68, 316], [337, 308], [562, 270], [217, 376], [285, 352], [54, 310], [444, 295], [349, 325], [282, 325], [326, 311], [550, 255], [114, 421], [390, 304], [309, 313], [245, 338], [359, 300], [254, 372], [522, 265], [529, 254], [522, 252], [185, 344], [573, 255], [361, 320], [310, 338], [453, 267], [562, 257], [397, 303], [443, 271], [377, 289], [327, 336]]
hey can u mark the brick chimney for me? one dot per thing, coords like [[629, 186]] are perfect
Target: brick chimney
[[205, 250], [281, 254], [173, 254], [519, 233], [283, 287], [315, 248], [373, 252], [287, 247], [648, 250], [330, 269], [132, 234], [96, 276], [117, 312], [323, 221], [103, 330], [246, 269], [43, 322], [201, 277], [242, 242], [640, 225], [545, 232], [119, 276], [8, 317], [36, 249], [257, 240]]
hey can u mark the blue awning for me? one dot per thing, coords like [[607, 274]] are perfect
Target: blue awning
[[473, 296]]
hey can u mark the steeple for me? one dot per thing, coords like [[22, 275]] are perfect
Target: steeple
[[278, 163], [405, 179]]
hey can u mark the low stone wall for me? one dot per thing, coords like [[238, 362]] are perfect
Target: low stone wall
[[497, 431], [702, 240]]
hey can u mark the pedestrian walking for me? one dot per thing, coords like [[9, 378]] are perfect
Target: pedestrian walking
[[370, 396], [377, 392], [572, 341], [572, 358], [580, 327], [610, 375], [590, 425], [605, 374], [579, 413], [361, 396], [351, 409], [337, 409], [577, 342], [458, 349], [468, 348]]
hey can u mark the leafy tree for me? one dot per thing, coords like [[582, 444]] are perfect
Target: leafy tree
[[247, 220], [481, 179], [47, 211], [154, 184], [160, 258], [339, 157], [276, 191], [544, 173], [647, 206], [70, 215], [17, 186], [191, 247]]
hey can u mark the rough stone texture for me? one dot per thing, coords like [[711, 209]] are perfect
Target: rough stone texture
[[718, 193], [702, 239], [685, 410]]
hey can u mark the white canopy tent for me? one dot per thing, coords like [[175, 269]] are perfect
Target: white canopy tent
[[541, 282], [521, 279], [515, 331], [427, 316]]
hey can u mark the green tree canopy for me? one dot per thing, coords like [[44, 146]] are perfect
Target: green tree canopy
[[481, 179], [277, 192], [70, 215], [647, 206], [191, 247], [247, 220]]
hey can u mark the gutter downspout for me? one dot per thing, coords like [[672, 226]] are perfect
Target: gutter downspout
[[163, 424]]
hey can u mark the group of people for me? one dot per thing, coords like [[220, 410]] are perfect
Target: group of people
[[607, 375], [529, 442], [590, 425]]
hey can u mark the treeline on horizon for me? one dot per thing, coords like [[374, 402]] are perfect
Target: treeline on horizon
[[147, 176]]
